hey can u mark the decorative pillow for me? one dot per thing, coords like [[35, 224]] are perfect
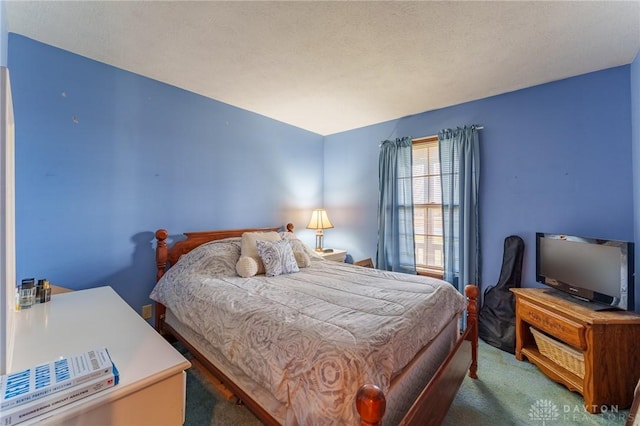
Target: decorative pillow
[[300, 250], [247, 267], [296, 245], [249, 249], [277, 257], [302, 259], [286, 235]]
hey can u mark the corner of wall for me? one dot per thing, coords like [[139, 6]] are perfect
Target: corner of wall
[[635, 158]]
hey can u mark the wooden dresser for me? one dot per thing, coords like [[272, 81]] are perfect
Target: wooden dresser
[[151, 390], [607, 341]]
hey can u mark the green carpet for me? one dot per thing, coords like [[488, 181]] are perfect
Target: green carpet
[[511, 392], [207, 406], [508, 392]]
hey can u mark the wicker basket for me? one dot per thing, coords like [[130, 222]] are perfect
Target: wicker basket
[[559, 353]]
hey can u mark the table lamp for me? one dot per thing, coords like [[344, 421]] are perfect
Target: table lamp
[[319, 221]]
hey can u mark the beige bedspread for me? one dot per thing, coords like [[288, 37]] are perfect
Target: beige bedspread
[[312, 337]]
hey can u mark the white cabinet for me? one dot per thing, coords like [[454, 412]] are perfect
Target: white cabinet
[[152, 383]]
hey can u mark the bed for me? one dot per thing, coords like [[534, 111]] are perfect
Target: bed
[[330, 343]]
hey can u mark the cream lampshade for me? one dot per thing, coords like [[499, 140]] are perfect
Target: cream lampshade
[[319, 221]]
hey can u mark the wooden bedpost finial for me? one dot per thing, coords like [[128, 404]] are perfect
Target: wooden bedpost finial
[[471, 291], [161, 235], [371, 404], [161, 252]]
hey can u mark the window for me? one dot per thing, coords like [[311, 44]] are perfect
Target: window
[[427, 206]]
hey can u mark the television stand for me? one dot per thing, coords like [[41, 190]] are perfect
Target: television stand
[[588, 304], [604, 364]]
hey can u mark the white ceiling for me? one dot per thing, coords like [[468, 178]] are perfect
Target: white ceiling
[[333, 66]]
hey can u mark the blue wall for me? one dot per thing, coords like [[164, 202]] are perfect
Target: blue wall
[[105, 157], [141, 155], [635, 136], [555, 158]]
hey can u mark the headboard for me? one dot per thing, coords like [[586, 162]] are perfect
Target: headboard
[[167, 256]]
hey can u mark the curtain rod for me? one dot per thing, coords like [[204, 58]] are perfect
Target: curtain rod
[[477, 126]]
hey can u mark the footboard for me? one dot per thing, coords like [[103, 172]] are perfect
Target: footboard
[[432, 405]]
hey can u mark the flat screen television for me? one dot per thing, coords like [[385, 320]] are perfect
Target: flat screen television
[[594, 270]]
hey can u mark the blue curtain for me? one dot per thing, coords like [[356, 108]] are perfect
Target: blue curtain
[[460, 172], [396, 250]]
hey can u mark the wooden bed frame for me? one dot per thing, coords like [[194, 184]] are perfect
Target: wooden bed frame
[[430, 407]]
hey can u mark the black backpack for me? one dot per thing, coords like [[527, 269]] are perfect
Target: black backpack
[[497, 325]]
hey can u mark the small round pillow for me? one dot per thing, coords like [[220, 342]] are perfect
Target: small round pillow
[[246, 267]]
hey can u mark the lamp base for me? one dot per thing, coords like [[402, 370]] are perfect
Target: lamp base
[[319, 237]]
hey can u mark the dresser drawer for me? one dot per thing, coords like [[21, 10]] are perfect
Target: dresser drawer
[[566, 330]]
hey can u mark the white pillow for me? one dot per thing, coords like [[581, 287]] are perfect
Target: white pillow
[[302, 259], [300, 250], [246, 267], [277, 257], [248, 245]]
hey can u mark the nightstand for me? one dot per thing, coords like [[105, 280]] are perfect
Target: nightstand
[[337, 255]]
